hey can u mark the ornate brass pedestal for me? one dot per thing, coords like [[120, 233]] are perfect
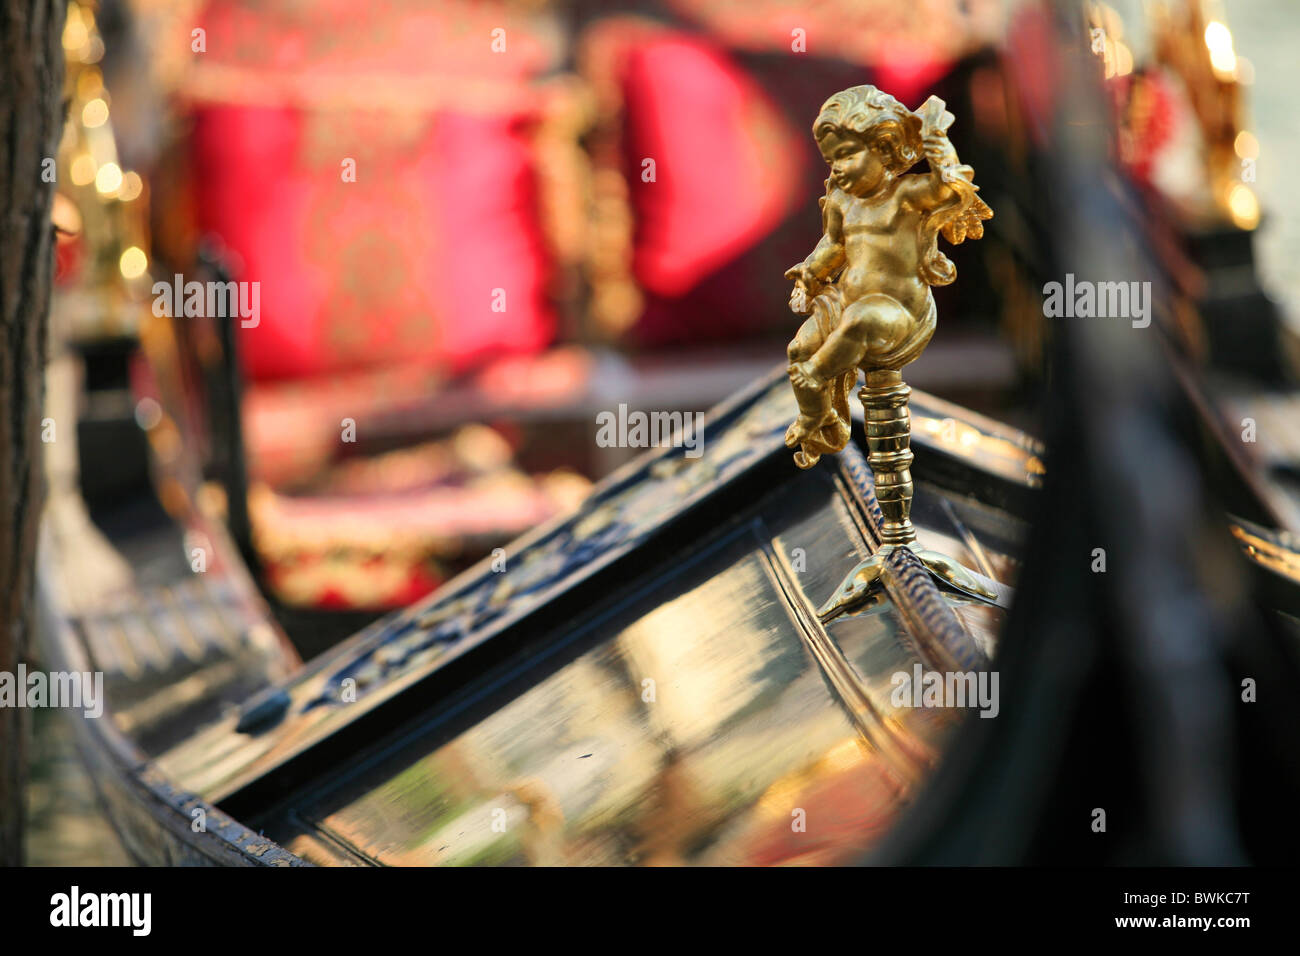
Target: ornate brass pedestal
[[889, 443], [889, 447]]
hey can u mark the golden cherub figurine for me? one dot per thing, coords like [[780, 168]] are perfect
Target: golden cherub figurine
[[867, 284]]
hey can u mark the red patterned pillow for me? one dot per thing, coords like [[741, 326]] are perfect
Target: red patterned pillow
[[434, 255]]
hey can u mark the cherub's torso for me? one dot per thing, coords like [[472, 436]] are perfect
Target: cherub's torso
[[882, 247]]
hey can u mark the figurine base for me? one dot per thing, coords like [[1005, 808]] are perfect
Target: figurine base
[[867, 578]]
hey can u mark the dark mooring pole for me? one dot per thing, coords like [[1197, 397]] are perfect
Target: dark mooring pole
[[31, 120]]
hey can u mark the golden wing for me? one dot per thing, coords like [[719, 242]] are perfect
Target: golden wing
[[968, 223]]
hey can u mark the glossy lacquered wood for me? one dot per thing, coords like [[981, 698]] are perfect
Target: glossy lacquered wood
[[701, 716]]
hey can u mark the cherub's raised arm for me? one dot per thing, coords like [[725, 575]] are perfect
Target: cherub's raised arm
[[935, 189], [947, 196]]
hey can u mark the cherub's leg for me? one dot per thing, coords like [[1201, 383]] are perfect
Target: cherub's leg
[[873, 326], [813, 395]]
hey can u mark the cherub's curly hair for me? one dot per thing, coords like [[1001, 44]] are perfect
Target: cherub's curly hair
[[892, 129]]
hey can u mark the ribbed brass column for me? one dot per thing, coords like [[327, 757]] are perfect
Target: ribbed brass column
[[889, 451]]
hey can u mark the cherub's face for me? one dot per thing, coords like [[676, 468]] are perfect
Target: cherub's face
[[855, 166]]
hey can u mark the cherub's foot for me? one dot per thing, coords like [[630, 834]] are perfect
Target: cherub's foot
[[814, 437], [803, 377], [805, 428]]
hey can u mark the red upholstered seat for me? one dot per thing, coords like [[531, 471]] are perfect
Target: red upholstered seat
[[372, 166]]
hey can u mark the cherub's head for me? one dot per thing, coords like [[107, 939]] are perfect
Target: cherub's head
[[867, 137]]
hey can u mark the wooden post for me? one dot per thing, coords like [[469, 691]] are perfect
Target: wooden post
[[31, 121]]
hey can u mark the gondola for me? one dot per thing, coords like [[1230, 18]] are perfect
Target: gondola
[[673, 673], [648, 679], [667, 630]]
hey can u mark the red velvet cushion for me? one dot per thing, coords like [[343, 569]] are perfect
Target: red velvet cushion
[[400, 266], [397, 267], [725, 174]]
